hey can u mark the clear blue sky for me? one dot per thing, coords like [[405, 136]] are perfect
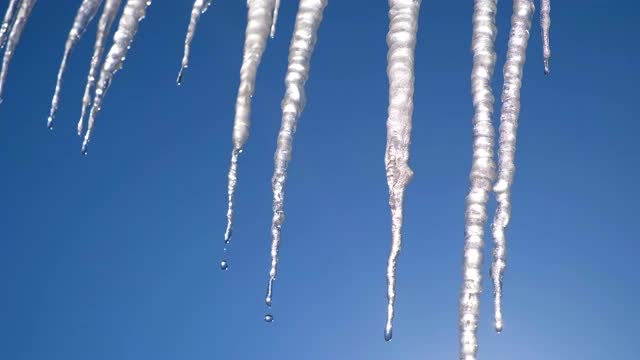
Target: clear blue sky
[[115, 255]]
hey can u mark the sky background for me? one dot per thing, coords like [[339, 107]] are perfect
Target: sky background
[[116, 255]]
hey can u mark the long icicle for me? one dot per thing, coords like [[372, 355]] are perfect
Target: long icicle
[[401, 40], [482, 172], [199, 7], [134, 12], [14, 38], [276, 9], [109, 13], [259, 21], [86, 12], [545, 24], [7, 21], [513, 68], [305, 35]]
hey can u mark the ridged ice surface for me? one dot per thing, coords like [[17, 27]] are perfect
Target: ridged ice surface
[[305, 35], [545, 24], [276, 9], [86, 12], [482, 171], [259, 21], [401, 40], [109, 13], [199, 7], [13, 39], [513, 68], [134, 12], [7, 21]]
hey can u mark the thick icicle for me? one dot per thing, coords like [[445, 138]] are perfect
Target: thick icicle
[[482, 172], [109, 13], [134, 12], [259, 21], [86, 12], [513, 68], [305, 35], [14, 38], [7, 21], [199, 7], [545, 24], [276, 8], [401, 40]]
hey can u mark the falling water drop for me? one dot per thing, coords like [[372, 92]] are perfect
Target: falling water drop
[[268, 318], [224, 265]]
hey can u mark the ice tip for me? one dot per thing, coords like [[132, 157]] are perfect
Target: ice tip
[[50, 122], [388, 334], [85, 149], [498, 327], [180, 75], [268, 301], [547, 67]]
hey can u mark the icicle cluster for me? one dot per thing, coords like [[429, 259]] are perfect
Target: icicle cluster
[[482, 171], [134, 12], [545, 24], [401, 40], [199, 7], [305, 35], [86, 12], [13, 38]]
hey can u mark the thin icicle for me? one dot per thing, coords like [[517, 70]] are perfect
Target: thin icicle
[[545, 24], [482, 171], [275, 18], [259, 20], [86, 12], [199, 7], [513, 68], [14, 38], [6, 23], [134, 12], [401, 40], [109, 13], [305, 35]]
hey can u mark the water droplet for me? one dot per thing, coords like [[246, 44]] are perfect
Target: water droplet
[[268, 301], [388, 334], [268, 318], [224, 265], [499, 327]]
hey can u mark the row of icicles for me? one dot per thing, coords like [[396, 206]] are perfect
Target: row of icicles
[[401, 40]]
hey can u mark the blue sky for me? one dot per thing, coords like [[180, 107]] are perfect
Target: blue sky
[[115, 255]]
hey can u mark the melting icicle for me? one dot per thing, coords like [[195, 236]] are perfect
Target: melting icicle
[[199, 7], [545, 24], [6, 23], [258, 23], [401, 40], [482, 171], [14, 38], [134, 12], [305, 35], [513, 68], [86, 12], [104, 26], [276, 7]]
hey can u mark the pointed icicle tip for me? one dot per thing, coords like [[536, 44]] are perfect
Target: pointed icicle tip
[[50, 123], [388, 334], [547, 67], [180, 75]]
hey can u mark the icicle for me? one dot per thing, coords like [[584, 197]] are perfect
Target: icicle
[[513, 68], [401, 40], [86, 12], [14, 37], [257, 32], [6, 23], [199, 7], [275, 18], [304, 39], [482, 171], [134, 12], [104, 26], [545, 24]]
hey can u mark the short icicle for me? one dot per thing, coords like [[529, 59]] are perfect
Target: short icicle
[[86, 12], [305, 35]]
